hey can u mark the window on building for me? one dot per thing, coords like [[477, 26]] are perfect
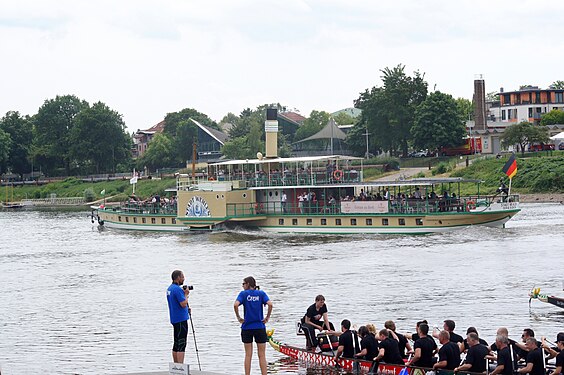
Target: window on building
[[559, 97], [353, 221], [418, 221], [506, 99], [530, 112], [323, 221], [337, 221], [126, 219], [173, 220], [503, 114], [153, 220], [385, 222], [294, 221], [309, 221], [537, 97], [401, 221], [134, 219], [368, 221], [163, 220], [280, 221], [144, 221]]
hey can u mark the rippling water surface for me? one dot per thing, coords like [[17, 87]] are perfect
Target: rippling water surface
[[77, 300]]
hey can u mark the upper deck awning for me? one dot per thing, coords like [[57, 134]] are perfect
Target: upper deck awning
[[302, 159]]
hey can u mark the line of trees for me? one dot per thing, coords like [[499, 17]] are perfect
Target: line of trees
[[66, 136]]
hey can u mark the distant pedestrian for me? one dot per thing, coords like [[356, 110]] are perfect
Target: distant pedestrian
[[177, 299], [253, 324]]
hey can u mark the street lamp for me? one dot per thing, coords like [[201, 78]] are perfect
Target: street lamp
[[367, 156]]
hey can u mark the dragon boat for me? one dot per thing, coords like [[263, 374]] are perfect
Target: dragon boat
[[357, 366], [553, 300]]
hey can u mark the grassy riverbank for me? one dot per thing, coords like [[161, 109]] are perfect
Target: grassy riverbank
[[72, 187], [534, 175]]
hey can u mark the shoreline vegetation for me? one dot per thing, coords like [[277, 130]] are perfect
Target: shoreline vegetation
[[539, 179]]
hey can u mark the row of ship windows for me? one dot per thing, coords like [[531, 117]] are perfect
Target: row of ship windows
[[144, 220], [385, 222]]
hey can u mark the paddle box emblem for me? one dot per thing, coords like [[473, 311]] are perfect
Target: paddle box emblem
[[197, 207]]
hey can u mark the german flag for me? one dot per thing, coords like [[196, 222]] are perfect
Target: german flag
[[510, 168]]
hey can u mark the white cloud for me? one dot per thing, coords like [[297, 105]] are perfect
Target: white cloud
[[145, 58]]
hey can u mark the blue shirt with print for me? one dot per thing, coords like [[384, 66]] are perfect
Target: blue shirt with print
[[253, 301]]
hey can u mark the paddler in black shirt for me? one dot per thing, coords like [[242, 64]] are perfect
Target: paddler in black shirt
[[476, 356], [348, 342], [425, 348], [504, 357], [389, 350], [312, 321], [368, 343], [535, 360], [449, 353]]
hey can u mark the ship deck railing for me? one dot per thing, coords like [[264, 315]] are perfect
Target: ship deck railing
[[406, 206], [146, 208], [292, 179]]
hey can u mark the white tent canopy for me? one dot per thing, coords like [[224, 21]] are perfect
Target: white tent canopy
[[558, 136]]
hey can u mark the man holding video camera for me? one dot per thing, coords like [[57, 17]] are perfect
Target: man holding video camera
[[177, 298]]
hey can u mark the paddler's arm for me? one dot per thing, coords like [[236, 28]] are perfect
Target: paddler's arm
[[464, 367], [326, 322], [308, 321], [362, 353], [528, 368], [498, 370], [236, 308], [339, 352], [380, 355], [415, 358], [269, 304]]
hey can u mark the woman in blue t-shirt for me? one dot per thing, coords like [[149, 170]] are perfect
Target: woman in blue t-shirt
[[253, 325]]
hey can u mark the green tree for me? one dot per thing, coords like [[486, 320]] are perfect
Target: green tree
[[5, 147], [98, 139], [237, 148], [492, 96], [314, 123], [20, 130], [438, 122], [182, 131], [343, 118], [522, 134], [388, 112], [52, 126], [555, 116], [557, 85], [465, 108], [159, 153]]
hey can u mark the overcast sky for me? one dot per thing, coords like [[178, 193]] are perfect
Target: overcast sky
[[147, 58]]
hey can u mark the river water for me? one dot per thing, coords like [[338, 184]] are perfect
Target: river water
[[76, 300]]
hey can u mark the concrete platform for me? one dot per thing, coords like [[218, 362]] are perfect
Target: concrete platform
[[192, 372]]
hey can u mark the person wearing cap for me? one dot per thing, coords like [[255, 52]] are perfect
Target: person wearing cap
[[558, 354], [535, 360]]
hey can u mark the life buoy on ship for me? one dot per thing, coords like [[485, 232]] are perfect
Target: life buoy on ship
[[338, 174], [470, 205]]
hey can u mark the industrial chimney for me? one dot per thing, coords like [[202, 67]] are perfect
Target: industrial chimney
[[479, 104], [271, 132]]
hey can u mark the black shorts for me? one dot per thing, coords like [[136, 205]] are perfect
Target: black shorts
[[259, 335], [180, 334]]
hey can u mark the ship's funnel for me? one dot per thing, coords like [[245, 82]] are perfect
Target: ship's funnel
[[271, 132]]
